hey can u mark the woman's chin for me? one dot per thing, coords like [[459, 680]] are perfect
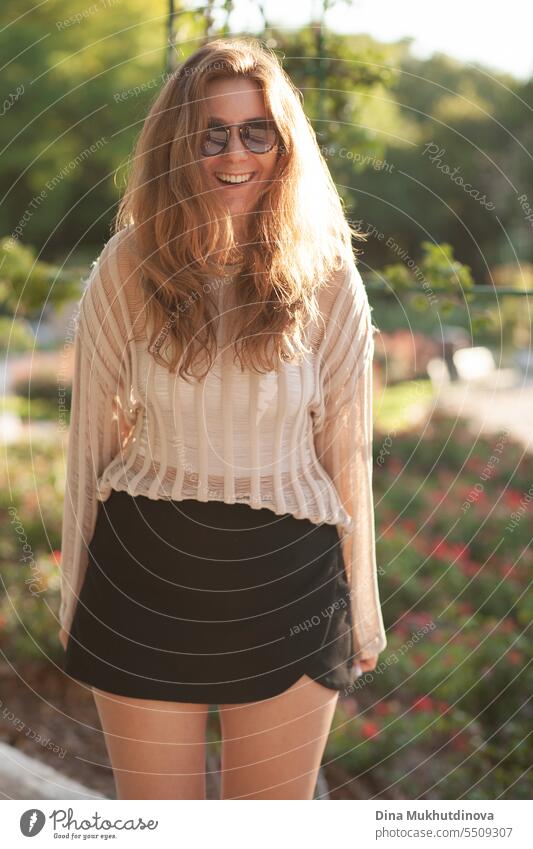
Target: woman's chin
[[238, 208]]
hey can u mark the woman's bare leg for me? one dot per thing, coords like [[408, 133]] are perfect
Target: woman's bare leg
[[272, 749], [156, 748]]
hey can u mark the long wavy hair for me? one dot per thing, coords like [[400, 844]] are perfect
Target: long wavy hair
[[297, 235]]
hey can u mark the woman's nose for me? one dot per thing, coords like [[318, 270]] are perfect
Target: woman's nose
[[235, 144]]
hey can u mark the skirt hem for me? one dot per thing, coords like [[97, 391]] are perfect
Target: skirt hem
[[190, 696]]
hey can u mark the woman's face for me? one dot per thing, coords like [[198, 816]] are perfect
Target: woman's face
[[236, 101]]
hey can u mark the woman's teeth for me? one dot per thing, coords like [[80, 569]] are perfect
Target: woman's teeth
[[234, 178]]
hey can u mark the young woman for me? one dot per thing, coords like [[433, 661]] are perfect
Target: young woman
[[218, 530]]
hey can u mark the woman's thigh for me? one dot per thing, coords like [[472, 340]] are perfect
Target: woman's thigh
[[156, 748], [272, 749]]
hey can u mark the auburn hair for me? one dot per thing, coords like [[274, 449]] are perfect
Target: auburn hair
[[298, 235]]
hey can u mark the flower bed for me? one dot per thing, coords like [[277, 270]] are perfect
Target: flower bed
[[447, 711]]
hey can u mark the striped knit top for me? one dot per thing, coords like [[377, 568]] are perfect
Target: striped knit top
[[295, 440]]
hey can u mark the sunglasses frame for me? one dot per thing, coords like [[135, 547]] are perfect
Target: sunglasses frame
[[241, 127]]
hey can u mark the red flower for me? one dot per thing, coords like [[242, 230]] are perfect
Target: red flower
[[420, 618], [441, 549], [57, 556], [369, 729], [459, 743], [383, 708], [469, 567], [423, 704], [451, 551], [514, 498], [461, 551]]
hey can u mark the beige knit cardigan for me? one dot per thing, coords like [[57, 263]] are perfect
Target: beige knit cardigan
[[298, 439]]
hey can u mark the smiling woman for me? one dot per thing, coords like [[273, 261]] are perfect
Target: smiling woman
[[218, 534]]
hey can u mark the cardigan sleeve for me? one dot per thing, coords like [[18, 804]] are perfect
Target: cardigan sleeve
[[343, 439], [97, 423]]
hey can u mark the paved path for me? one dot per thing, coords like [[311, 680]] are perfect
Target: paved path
[[491, 410]]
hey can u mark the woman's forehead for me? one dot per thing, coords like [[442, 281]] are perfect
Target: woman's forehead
[[227, 97]]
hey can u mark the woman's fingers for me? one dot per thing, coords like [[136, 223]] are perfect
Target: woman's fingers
[[369, 664]]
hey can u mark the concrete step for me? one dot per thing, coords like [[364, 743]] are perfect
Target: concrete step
[[23, 777]]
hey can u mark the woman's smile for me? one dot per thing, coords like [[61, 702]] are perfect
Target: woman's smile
[[234, 180]]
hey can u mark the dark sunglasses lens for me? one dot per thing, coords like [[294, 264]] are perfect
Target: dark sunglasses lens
[[213, 142], [259, 139]]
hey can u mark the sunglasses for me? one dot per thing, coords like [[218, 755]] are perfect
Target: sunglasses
[[258, 136]]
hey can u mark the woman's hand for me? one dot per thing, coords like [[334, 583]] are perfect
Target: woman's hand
[[367, 665], [63, 638]]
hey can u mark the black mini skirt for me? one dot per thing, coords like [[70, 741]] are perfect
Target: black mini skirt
[[208, 602]]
